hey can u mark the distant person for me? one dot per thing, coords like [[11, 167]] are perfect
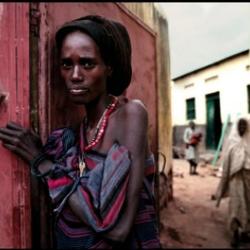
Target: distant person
[[192, 138], [235, 181]]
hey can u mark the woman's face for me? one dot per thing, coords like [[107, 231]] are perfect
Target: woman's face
[[83, 68], [242, 127]]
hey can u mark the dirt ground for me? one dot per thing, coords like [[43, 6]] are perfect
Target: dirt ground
[[191, 220]]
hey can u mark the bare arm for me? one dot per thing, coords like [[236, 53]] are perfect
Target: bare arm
[[133, 125]]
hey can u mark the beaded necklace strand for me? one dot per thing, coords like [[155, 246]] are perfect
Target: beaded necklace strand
[[99, 133]]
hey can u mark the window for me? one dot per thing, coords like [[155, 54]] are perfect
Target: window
[[190, 111], [248, 97]]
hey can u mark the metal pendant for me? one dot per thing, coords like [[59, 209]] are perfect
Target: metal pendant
[[82, 166]]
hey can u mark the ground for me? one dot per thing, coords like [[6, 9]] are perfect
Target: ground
[[192, 220]]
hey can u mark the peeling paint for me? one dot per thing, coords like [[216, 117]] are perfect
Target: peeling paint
[[1, 11], [1, 17], [14, 90]]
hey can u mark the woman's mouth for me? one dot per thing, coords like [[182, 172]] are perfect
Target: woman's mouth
[[78, 91]]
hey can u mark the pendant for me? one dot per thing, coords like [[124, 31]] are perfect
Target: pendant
[[82, 166]]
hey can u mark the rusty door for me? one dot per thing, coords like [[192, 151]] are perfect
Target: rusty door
[[15, 226], [48, 92]]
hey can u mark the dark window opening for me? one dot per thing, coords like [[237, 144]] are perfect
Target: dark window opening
[[190, 111], [248, 97]]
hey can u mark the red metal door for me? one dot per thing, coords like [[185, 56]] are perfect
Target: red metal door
[[15, 226]]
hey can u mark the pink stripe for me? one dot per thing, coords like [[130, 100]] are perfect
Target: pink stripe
[[117, 153], [90, 206], [101, 244], [143, 216], [116, 206], [141, 221], [149, 170], [113, 211], [59, 182], [151, 243], [90, 163], [74, 233]]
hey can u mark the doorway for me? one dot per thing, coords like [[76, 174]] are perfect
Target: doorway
[[213, 128]]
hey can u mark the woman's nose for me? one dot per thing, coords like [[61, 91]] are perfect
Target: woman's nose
[[77, 75]]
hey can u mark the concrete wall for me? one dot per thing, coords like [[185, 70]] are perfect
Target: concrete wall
[[230, 78]]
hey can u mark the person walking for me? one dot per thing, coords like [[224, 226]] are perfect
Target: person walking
[[235, 181]]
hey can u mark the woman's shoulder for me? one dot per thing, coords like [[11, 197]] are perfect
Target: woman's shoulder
[[133, 107]]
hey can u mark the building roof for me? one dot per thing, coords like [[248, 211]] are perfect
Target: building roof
[[211, 64]]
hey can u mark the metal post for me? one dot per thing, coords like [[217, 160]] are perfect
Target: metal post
[[221, 140]]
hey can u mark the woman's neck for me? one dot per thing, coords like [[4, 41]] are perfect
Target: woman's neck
[[95, 110]]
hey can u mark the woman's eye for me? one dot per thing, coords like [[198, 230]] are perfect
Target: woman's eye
[[66, 64], [87, 64]]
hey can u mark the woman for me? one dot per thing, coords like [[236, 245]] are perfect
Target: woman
[[99, 173], [235, 180]]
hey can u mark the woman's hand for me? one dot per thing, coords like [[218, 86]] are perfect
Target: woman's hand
[[21, 141]]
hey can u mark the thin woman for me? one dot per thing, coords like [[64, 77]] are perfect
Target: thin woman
[[100, 172]]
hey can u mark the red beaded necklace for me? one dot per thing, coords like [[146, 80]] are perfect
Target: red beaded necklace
[[99, 133]]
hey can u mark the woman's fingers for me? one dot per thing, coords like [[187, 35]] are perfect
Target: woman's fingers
[[15, 126], [14, 138], [13, 143], [23, 154], [11, 132], [7, 138]]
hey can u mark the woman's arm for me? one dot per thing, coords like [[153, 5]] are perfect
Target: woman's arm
[[132, 128]]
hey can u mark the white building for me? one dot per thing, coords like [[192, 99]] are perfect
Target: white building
[[211, 96]]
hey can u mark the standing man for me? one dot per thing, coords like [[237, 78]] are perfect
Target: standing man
[[191, 139]]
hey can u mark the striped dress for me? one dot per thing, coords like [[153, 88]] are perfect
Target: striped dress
[[101, 194]]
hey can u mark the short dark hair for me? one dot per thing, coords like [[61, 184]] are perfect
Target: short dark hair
[[191, 123], [114, 43]]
